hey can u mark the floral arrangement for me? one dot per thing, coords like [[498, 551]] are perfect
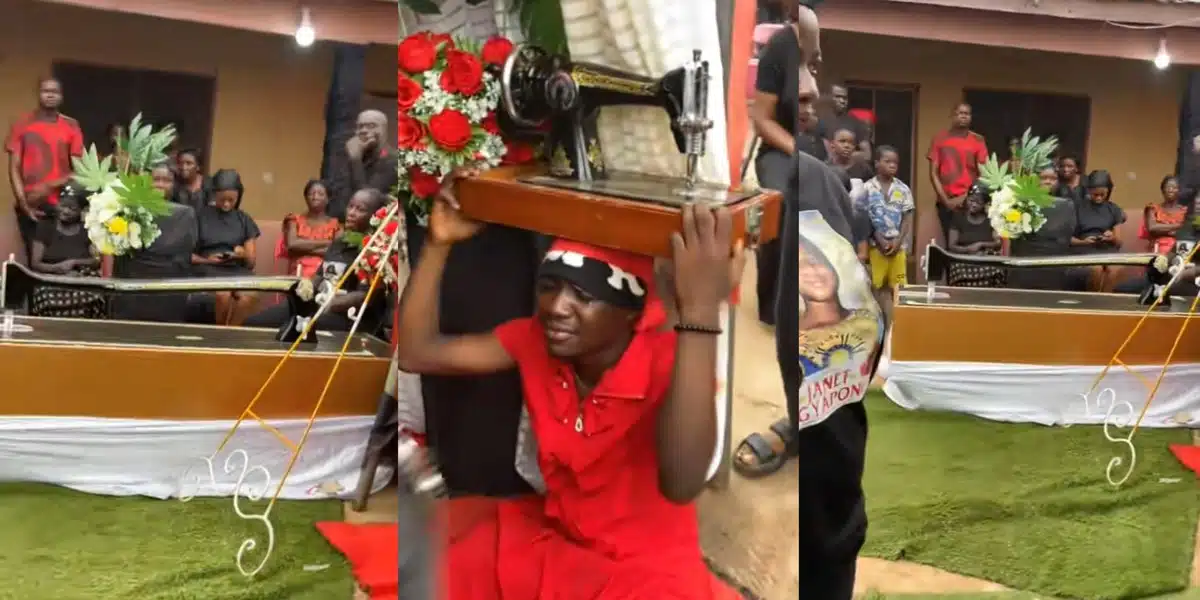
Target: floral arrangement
[[123, 203], [447, 94], [1017, 194], [384, 239]]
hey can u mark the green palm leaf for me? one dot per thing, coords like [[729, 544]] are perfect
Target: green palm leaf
[[91, 172]]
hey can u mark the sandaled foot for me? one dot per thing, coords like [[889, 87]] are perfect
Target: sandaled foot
[[762, 454]]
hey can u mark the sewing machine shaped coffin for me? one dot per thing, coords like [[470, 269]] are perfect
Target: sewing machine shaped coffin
[[576, 197]]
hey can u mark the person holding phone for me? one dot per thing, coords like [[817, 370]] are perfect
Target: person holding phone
[[226, 245]]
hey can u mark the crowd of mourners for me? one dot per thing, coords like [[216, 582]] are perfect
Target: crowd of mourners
[[208, 232]]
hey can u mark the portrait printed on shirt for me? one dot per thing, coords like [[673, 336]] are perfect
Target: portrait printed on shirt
[[841, 325]]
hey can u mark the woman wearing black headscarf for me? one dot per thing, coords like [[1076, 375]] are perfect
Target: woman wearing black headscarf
[[1097, 226], [227, 245]]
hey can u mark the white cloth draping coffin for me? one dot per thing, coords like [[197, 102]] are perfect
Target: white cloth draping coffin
[[1048, 395], [127, 457]]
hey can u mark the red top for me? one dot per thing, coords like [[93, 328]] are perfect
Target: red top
[[602, 483], [603, 530], [44, 149], [957, 159]]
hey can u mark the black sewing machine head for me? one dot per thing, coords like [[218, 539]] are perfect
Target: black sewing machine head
[[539, 89]]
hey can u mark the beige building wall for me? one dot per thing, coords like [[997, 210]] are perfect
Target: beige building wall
[[1135, 108], [269, 112]]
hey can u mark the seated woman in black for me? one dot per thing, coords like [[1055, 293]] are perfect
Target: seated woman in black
[[971, 233], [1097, 227], [1053, 239], [226, 245], [61, 247], [168, 257], [338, 257]]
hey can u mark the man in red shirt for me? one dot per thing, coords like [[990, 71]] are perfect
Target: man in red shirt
[[40, 146], [954, 157]]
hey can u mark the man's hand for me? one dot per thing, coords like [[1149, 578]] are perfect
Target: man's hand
[[1108, 236], [446, 224], [239, 252], [354, 148], [956, 202], [707, 263], [976, 247], [29, 211]]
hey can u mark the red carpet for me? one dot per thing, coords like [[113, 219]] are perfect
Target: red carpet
[[372, 551], [1188, 455]]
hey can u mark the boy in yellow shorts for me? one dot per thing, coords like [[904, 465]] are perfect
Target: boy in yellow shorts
[[890, 208]]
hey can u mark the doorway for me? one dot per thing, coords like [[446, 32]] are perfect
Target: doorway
[[894, 107], [100, 96]]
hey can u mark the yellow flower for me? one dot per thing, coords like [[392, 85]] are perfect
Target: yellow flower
[[1012, 215], [117, 226]]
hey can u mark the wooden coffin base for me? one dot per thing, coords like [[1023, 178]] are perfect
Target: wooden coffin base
[[500, 196], [136, 370], [1035, 327]]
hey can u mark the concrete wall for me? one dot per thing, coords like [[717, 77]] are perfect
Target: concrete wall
[[269, 110]]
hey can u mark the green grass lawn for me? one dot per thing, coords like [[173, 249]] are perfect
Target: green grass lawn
[[57, 544], [1028, 506]]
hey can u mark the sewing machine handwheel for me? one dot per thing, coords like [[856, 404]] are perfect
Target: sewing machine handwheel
[[519, 61]]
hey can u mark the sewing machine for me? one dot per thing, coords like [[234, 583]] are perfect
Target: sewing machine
[[575, 195]]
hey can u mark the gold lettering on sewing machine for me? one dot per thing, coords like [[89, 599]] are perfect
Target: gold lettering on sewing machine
[[587, 78]]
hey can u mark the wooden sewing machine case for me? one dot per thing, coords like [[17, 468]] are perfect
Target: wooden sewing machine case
[[503, 196]]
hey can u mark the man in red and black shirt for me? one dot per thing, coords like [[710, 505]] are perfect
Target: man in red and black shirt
[[954, 158], [40, 146]]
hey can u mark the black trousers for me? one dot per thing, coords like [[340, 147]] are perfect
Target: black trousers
[[945, 217], [27, 227], [773, 169], [833, 513]]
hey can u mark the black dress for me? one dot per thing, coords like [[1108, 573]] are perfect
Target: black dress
[[220, 231], [169, 257], [966, 275], [1053, 239], [49, 301]]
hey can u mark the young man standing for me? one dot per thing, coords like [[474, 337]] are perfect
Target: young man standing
[[954, 158], [40, 146]]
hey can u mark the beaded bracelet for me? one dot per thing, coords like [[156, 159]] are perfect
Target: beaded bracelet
[[690, 328]]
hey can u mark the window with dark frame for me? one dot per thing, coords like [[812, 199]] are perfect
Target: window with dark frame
[[1001, 115], [99, 96]]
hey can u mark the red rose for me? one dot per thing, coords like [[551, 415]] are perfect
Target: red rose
[[463, 74], [518, 153], [490, 124], [407, 92], [410, 133], [372, 260], [423, 184], [363, 277], [381, 213], [417, 53], [390, 228], [450, 129], [442, 38], [496, 50]]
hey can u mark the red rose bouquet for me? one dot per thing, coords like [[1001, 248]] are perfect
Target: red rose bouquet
[[447, 99], [382, 247]]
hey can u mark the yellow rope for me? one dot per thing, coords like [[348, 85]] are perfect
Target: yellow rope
[[321, 399], [249, 410], [1163, 373]]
